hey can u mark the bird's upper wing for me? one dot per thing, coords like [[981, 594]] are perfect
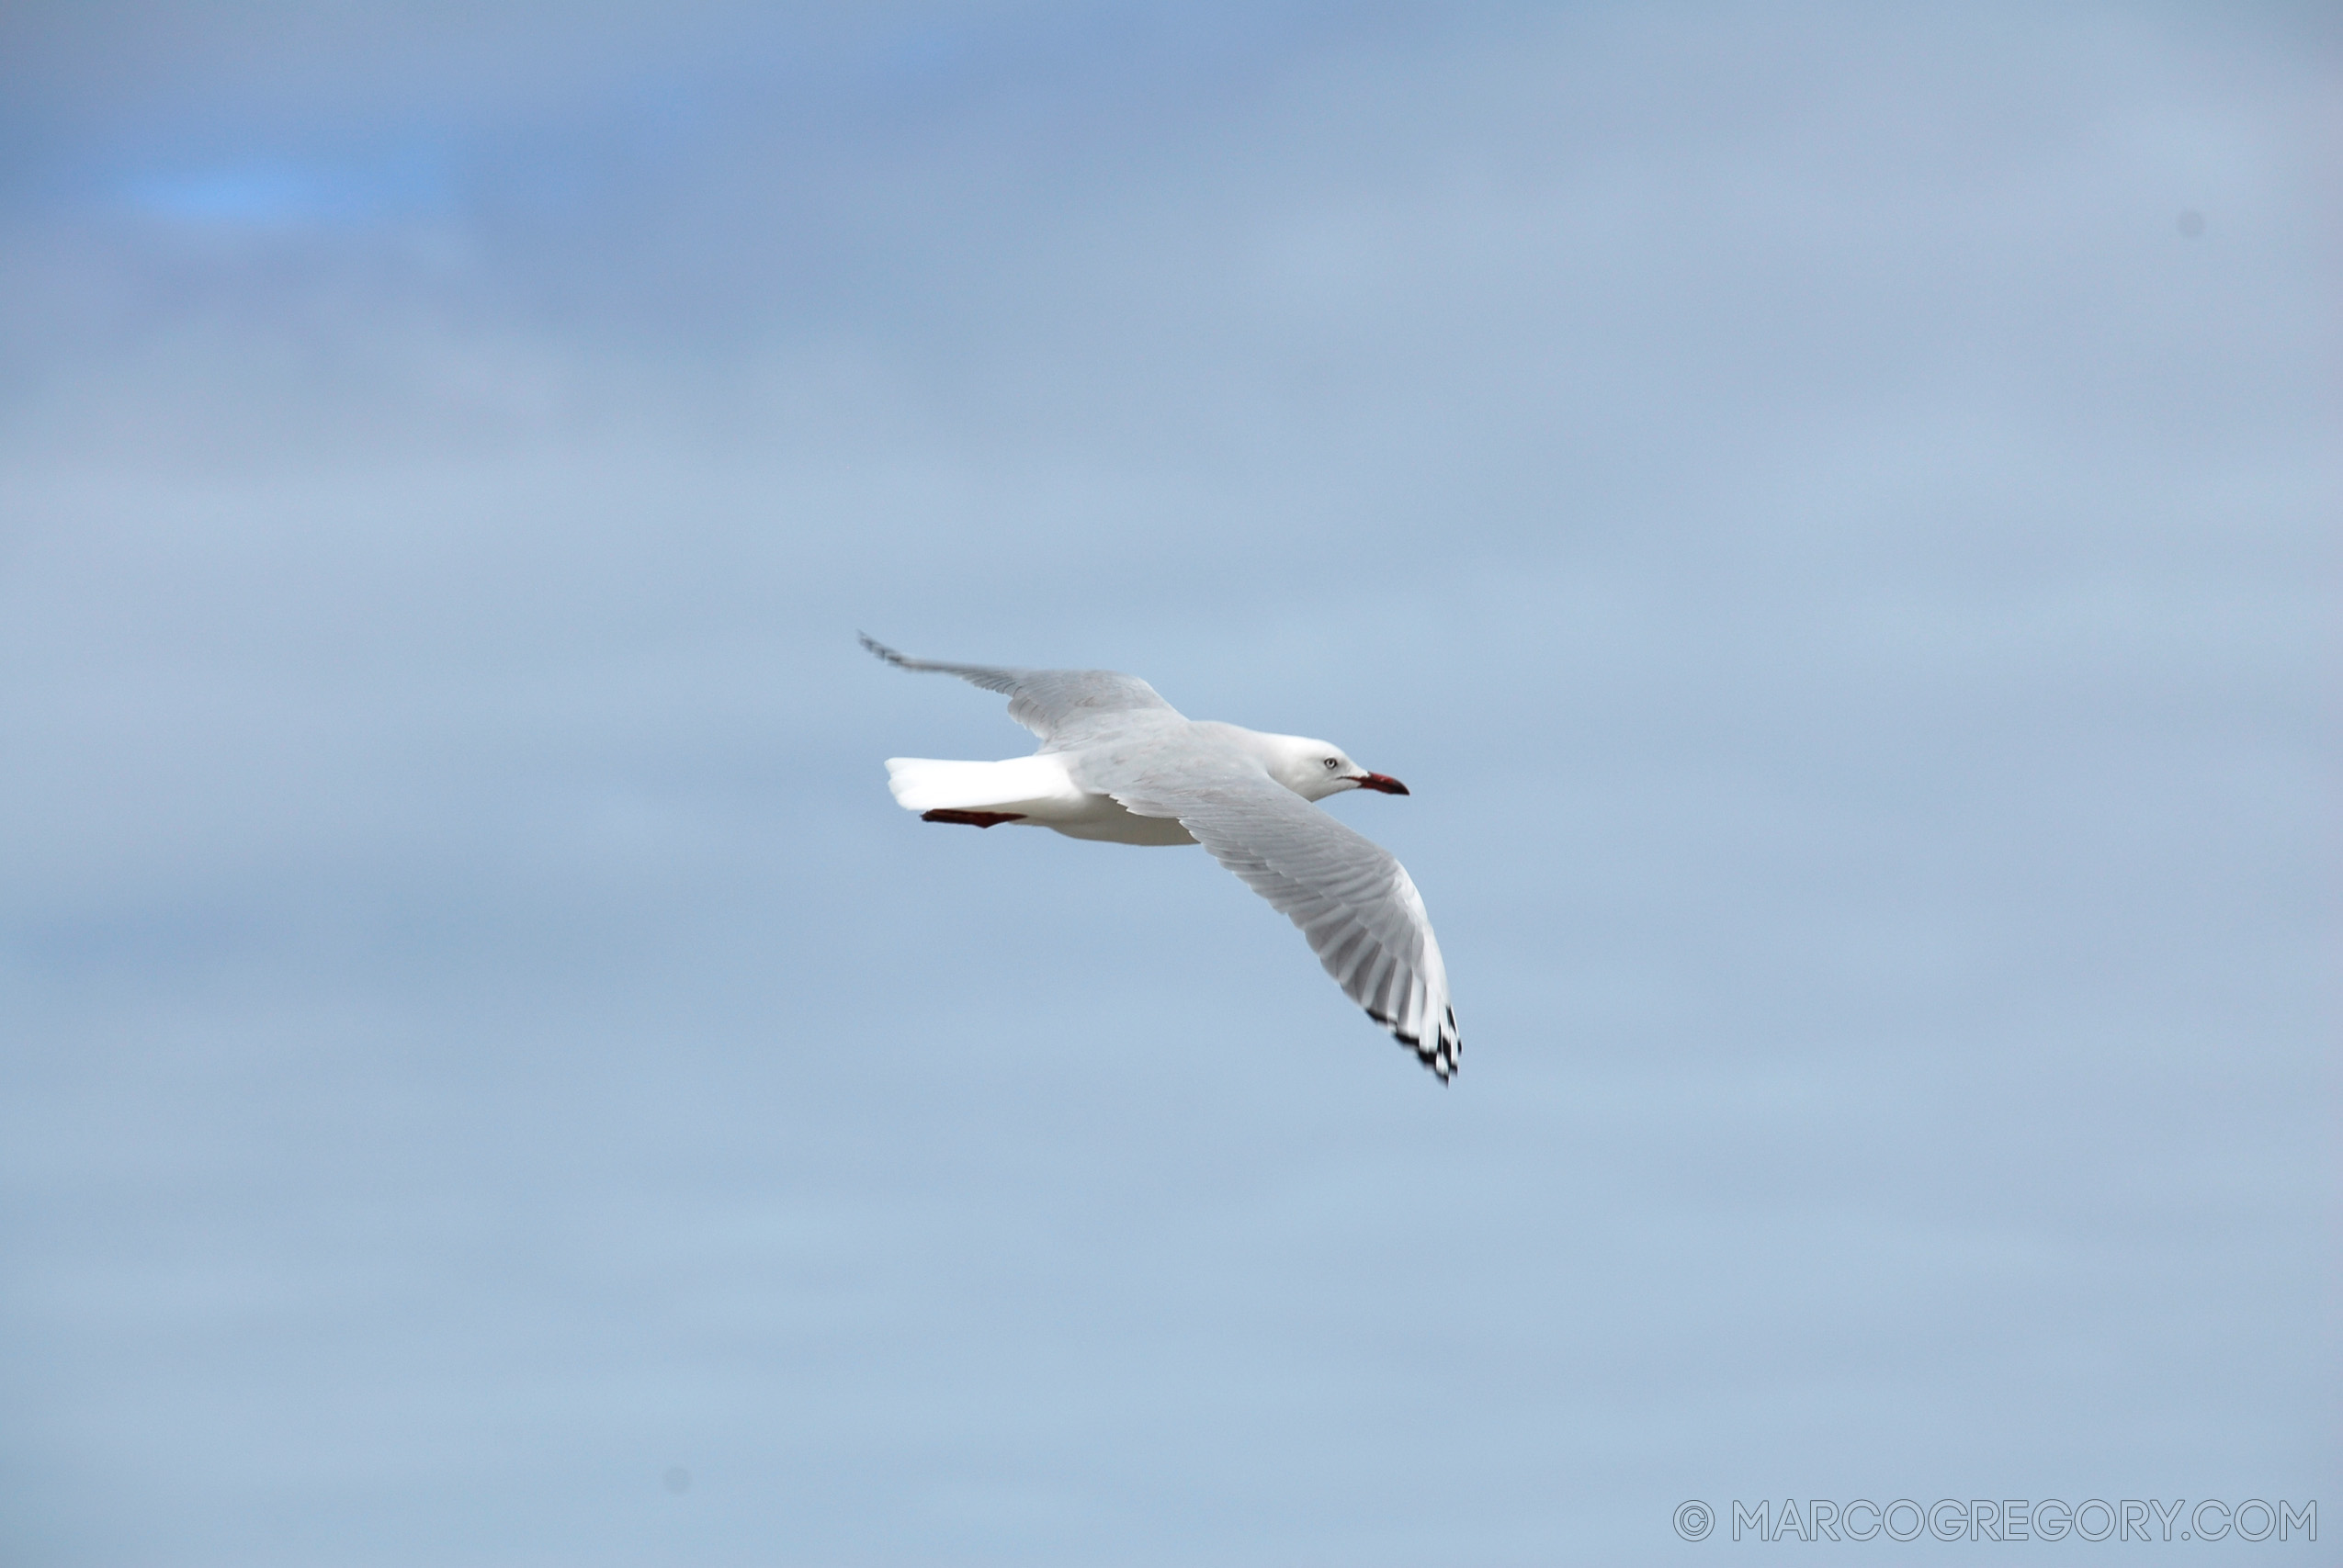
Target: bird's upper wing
[[1066, 708], [1352, 900]]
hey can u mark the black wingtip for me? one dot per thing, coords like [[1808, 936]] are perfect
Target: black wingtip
[[1440, 1057], [883, 651]]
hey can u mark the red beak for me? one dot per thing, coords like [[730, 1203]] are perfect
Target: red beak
[[1384, 783]]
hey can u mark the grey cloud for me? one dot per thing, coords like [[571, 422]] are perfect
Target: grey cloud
[[1844, 574]]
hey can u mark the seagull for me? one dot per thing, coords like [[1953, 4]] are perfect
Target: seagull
[[1119, 764]]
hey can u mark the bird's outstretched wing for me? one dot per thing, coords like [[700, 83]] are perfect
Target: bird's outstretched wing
[[1352, 900], [1066, 708]]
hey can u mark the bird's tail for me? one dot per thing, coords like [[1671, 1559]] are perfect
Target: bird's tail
[[927, 783]]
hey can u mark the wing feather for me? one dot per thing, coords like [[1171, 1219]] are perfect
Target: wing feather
[[1354, 902], [1068, 709]]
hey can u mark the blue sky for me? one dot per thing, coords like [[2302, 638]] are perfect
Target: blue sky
[[1845, 568]]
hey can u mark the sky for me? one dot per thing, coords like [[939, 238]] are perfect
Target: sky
[[1831, 509]]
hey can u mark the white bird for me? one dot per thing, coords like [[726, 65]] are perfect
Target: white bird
[[1118, 763]]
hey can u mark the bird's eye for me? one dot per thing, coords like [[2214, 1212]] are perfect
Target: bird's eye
[[1331, 763]]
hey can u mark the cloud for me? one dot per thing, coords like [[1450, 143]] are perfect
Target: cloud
[[1837, 566]]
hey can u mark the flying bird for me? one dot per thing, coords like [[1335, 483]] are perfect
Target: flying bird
[[1119, 764]]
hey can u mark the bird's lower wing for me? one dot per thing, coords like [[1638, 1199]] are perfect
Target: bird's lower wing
[[1352, 900]]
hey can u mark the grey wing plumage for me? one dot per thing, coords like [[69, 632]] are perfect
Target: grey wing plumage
[[1352, 900], [1065, 707]]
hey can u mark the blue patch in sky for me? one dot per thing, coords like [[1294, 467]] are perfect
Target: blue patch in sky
[[279, 192]]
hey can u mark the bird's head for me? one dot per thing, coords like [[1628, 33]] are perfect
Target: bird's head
[[1316, 769]]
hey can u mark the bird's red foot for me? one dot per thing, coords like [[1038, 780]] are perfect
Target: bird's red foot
[[973, 818]]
